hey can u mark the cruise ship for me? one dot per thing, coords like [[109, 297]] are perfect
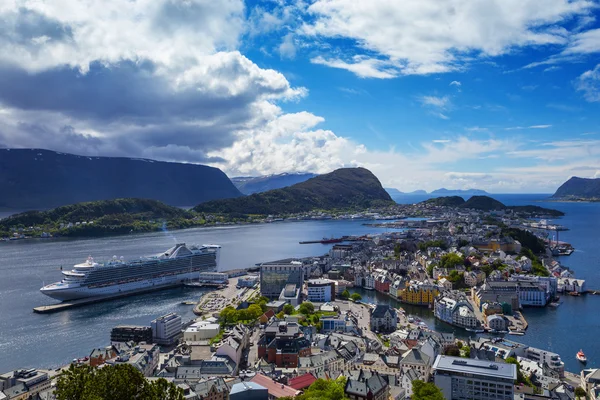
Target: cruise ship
[[175, 266]]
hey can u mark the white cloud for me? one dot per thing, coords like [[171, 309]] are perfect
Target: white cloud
[[287, 48], [361, 66], [435, 101], [441, 141], [455, 83], [584, 43], [589, 84], [429, 36], [540, 126]]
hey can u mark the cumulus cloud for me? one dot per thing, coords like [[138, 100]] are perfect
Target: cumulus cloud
[[428, 36]]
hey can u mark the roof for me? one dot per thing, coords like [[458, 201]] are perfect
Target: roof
[[415, 356], [275, 389], [302, 381], [245, 386], [475, 367], [381, 309]]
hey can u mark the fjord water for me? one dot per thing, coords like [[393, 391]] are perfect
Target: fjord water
[[33, 340]]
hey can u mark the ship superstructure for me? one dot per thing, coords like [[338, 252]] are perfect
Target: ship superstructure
[[178, 264]]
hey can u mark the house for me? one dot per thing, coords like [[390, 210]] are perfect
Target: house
[[384, 319], [282, 343], [302, 382], [590, 379], [212, 389], [367, 386], [417, 360], [407, 379], [474, 278], [445, 283]]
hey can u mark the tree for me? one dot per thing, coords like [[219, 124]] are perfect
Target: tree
[[459, 344], [306, 308], [451, 260], [322, 389], [356, 297], [118, 382], [345, 294], [228, 315], [467, 351], [520, 377], [288, 309], [280, 315], [254, 311], [426, 391], [580, 392], [453, 351]]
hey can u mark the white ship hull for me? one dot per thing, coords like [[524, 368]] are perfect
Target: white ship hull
[[69, 292]]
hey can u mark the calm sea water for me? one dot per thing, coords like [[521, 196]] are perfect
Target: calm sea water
[[33, 340]]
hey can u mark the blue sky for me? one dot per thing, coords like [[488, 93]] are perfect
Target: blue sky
[[501, 95]]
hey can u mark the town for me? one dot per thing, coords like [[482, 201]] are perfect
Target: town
[[273, 330]]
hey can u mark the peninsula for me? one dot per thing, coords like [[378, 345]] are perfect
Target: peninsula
[[582, 189], [486, 203]]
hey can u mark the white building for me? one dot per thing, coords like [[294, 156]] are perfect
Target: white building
[[460, 378], [212, 277], [321, 290], [199, 331], [571, 285], [166, 329]]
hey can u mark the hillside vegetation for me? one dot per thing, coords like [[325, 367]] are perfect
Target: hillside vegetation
[[346, 188], [486, 203]]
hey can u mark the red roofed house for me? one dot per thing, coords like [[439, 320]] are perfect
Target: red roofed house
[[263, 319], [275, 389], [302, 381]]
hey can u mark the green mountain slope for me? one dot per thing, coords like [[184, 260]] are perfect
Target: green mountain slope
[[579, 188], [345, 188]]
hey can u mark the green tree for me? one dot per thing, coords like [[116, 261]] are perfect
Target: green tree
[[228, 315], [345, 294], [306, 308], [288, 309], [453, 351], [356, 297], [451, 260], [323, 389], [119, 382], [254, 311], [426, 391], [580, 392], [280, 315], [520, 376]]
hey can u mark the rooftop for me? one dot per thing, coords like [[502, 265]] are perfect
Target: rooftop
[[275, 389], [476, 367]]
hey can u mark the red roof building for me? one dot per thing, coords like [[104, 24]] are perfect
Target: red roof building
[[302, 381]]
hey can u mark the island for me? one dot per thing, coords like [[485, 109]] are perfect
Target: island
[[486, 203]]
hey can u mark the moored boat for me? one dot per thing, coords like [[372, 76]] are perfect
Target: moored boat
[[581, 357]]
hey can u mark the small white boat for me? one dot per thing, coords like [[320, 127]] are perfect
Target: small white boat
[[581, 357]]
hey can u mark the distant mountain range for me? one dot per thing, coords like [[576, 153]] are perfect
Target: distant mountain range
[[346, 188], [257, 184], [579, 189], [439, 192], [42, 179], [486, 203]]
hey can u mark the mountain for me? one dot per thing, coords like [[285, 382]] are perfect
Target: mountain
[[450, 201], [418, 192], [42, 179], [579, 188], [256, 184], [458, 192], [486, 203], [344, 188], [394, 192]]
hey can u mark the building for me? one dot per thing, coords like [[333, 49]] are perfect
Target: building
[[212, 389], [330, 361], [418, 293], [275, 275], [321, 290], [212, 277], [474, 278], [382, 283], [144, 357], [248, 391], [199, 331], [340, 251], [131, 333], [302, 382], [367, 386], [276, 306], [454, 309], [497, 323], [275, 389], [590, 379], [248, 281], [384, 319], [234, 343], [489, 292], [166, 330], [24, 383], [282, 344], [571, 285], [291, 294], [467, 379], [417, 360]]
